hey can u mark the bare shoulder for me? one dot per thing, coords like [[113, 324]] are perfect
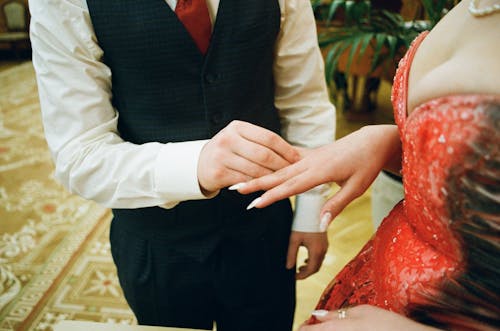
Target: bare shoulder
[[459, 56]]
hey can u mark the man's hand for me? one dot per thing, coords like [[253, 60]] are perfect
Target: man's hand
[[239, 152], [316, 244]]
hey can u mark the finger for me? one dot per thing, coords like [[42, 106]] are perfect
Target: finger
[[341, 314], [323, 315], [259, 154], [303, 272], [246, 167], [291, 257], [311, 267], [292, 186], [334, 206], [268, 182], [222, 178], [315, 261], [268, 139]]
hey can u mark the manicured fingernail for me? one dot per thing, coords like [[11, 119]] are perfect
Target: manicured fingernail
[[319, 313], [254, 203], [325, 220], [236, 187]]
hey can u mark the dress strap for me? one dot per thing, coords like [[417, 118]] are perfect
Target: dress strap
[[400, 82]]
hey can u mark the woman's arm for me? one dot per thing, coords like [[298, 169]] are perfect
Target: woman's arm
[[352, 162]]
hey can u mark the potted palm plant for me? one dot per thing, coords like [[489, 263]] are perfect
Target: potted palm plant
[[368, 42]]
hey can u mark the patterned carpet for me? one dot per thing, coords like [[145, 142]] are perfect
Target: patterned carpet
[[54, 256], [55, 261]]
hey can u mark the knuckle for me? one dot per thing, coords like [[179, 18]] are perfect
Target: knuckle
[[259, 155], [235, 124], [263, 172], [265, 157], [223, 140], [272, 138], [218, 173], [217, 155]]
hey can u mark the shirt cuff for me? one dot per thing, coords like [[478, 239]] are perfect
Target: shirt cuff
[[307, 208], [176, 172]]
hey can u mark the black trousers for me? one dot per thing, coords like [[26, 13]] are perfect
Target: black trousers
[[242, 284]]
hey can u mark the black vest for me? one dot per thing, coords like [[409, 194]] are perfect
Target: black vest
[[163, 87], [165, 90]]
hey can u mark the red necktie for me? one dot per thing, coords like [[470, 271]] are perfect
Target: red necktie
[[194, 15]]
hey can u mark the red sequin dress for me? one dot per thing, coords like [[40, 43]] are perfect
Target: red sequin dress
[[418, 247]]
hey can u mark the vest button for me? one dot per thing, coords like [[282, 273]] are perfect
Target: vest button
[[210, 78]]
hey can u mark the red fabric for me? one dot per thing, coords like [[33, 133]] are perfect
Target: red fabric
[[416, 248], [194, 16]]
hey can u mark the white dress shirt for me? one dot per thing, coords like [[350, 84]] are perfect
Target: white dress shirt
[[80, 123]]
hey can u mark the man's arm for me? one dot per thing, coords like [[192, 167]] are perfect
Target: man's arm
[[307, 118], [307, 115], [80, 123]]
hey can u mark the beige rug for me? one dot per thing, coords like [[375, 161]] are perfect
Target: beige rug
[[55, 262], [54, 256]]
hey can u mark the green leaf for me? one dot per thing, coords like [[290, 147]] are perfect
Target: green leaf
[[331, 61], [333, 9], [350, 11], [393, 43], [428, 6], [365, 42], [379, 42], [332, 40], [395, 19], [434, 9], [359, 10], [386, 32], [354, 48]]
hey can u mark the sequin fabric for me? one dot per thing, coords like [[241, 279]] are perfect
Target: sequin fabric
[[416, 248]]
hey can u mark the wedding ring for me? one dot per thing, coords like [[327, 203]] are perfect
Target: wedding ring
[[342, 314]]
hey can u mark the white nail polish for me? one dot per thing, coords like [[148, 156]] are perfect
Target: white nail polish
[[236, 187], [254, 203], [319, 313], [325, 221]]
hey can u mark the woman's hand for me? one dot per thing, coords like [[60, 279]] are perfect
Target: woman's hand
[[363, 318], [239, 152], [353, 162]]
